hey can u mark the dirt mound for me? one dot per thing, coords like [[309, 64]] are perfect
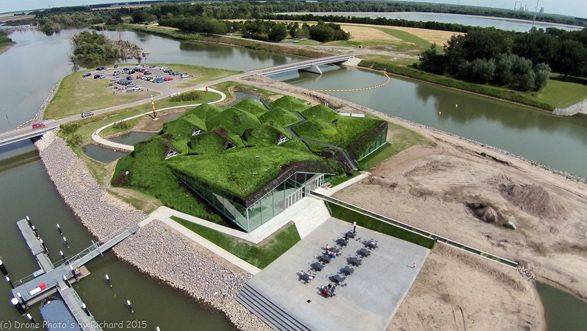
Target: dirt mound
[[483, 212], [532, 199]]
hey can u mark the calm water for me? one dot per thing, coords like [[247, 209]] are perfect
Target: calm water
[[559, 142], [563, 311], [27, 77], [472, 20], [102, 154], [25, 189]]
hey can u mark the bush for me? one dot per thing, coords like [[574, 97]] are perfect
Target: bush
[[122, 125], [324, 32]]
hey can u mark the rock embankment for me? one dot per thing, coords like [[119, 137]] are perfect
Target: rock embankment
[[155, 250]]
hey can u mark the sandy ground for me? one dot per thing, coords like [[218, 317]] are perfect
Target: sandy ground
[[429, 186], [366, 33], [458, 291]]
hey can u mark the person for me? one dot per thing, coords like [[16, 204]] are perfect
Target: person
[[346, 236]]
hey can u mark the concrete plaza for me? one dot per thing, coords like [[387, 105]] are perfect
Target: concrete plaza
[[366, 300]]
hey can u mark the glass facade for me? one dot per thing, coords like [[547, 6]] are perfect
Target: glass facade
[[265, 208], [379, 141]]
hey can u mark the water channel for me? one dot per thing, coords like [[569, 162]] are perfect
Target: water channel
[[25, 188], [472, 20]]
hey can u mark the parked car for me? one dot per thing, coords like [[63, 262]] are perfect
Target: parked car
[[124, 82], [133, 88], [167, 78], [147, 72], [98, 76], [87, 74], [87, 114], [159, 80], [38, 125], [129, 77], [101, 68], [115, 66], [184, 75]]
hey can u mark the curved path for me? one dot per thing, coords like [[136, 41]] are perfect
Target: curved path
[[129, 148]]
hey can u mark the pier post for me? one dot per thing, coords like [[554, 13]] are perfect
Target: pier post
[[85, 308], [59, 229], [35, 231], [62, 255], [9, 282], [66, 281], [65, 242], [129, 305], [107, 278], [3, 269], [17, 305], [28, 220], [21, 300], [30, 318]]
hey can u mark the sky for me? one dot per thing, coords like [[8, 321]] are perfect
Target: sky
[[566, 7]]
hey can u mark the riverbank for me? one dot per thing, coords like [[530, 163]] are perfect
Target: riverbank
[[458, 170], [228, 40], [155, 250]]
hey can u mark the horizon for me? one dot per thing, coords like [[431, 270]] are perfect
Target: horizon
[[572, 8]]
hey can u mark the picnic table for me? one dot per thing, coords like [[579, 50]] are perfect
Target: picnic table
[[337, 279], [342, 242], [354, 261], [325, 258], [364, 252], [371, 244], [317, 266], [347, 270]]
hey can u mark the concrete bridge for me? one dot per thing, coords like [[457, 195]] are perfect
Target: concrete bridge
[[311, 65]]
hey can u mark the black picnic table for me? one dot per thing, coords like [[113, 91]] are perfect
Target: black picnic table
[[351, 234], [342, 242], [317, 266], [354, 261], [325, 258], [347, 270], [371, 244], [364, 252], [337, 279]]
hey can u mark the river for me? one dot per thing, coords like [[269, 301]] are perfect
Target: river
[[472, 20], [25, 188]]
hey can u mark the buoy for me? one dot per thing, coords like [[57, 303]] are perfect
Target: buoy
[[129, 305], [439, 113], [157, 329], [456, 105], [62, 255], [65, 242]]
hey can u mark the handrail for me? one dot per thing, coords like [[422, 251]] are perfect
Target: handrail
[[419, 231]]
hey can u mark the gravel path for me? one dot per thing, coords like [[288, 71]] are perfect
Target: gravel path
[[156, 249]]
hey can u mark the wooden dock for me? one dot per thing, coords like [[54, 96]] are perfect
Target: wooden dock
[[51, 279]]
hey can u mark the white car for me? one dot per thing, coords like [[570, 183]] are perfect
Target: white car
[[184, 75], [133, 88]]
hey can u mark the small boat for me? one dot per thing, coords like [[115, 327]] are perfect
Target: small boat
[[57, 316]]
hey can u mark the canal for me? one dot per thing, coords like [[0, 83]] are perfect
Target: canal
[[25, 189]]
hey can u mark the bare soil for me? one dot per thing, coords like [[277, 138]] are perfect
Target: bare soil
[[458, 291], [429, 187]]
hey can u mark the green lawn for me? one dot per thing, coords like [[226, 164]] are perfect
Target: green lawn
[[563, 94], [260, 255], [401, 139], [77, 94], [408, 37], [350, 216]]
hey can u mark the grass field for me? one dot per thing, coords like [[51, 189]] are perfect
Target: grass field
[[260, 255], [77, 94], [401, 139], [350, 216], [562, 94]]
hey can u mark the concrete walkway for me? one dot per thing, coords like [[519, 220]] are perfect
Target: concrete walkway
[[129, 148], [330, 191], [307, 214]]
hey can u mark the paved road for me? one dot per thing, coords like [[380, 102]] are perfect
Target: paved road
[[8, 137]]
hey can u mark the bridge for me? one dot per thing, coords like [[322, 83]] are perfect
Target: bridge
[[52, 278], [311, 65]]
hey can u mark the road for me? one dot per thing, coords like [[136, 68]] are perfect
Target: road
[[15, 135]]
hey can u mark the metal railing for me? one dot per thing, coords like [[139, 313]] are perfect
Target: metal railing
[[434, 236]]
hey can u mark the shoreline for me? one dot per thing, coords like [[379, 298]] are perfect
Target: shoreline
[[163, 260], [6, 47]]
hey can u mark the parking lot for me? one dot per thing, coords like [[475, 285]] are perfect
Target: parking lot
[[129, 79], [365, 300]]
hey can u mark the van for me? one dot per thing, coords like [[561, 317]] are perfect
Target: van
[[87, 114]]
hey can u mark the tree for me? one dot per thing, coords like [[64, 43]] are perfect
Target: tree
[[277, 33], [433, 62], [482, 70], [541, 73]]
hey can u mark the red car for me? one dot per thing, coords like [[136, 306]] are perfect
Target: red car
[[168, 78], [38, 125]]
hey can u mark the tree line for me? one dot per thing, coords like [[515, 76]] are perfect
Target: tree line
[[522, 61]]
